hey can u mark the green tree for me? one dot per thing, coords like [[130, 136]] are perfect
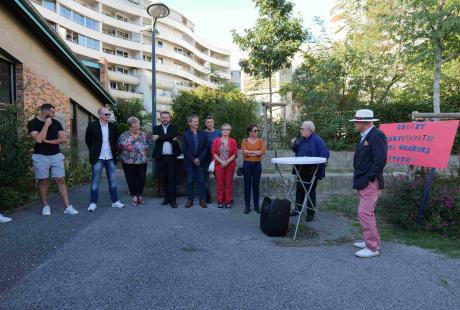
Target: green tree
[[274, 39], [429, 31]]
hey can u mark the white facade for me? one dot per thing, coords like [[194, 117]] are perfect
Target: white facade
[[284, 107], [111, 29]]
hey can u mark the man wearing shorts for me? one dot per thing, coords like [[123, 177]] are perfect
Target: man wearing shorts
[[48, 134]]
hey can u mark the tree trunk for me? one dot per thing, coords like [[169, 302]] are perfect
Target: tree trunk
[[437, 76]]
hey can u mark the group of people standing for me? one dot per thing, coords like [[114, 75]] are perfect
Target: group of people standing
[[210, 150], [203, 149]]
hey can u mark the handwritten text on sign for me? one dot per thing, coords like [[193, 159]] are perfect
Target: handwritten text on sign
[[420, 143]]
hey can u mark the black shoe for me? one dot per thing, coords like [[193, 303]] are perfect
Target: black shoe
[[228, 205], [208, 197], [220, 206], [309, 217], [173, 205], [293, 213], [165, 202], [247, 210], [257, 210]]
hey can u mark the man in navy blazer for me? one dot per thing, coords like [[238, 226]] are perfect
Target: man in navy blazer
[[196, 149], [368, 163]]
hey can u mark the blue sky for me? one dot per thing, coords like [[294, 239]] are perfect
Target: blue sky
[[214, 19]]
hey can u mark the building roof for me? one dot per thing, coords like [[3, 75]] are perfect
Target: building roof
[[26, 14]]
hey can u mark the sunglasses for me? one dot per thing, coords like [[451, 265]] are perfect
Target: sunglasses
[[107, 114], [255, 130]]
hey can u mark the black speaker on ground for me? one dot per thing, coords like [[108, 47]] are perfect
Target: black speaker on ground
[[274, 216]]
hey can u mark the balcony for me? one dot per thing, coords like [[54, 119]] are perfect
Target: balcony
[[114, 22], [125, 94], [124, 78]]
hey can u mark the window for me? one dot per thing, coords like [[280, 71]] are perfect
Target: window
[[7, 82], [160, 60], [71, 36], [121, 17], [92, 24], [78, 18], [91, 43], [178, 50], [122, 53], [160, 44], [66, 12], [147, 58], [108, 51], [50, 4], [122, 35]]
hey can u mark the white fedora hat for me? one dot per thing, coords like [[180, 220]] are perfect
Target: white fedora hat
[[364, 115]]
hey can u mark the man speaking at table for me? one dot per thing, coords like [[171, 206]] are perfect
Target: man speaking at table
[[368, 163]]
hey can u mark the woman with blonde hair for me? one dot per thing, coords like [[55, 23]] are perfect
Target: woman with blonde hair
[[224, 151], [133, 145]]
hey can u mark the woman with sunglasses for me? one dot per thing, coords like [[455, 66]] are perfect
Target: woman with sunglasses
[[253, 149], [224, 151], [133, 144]]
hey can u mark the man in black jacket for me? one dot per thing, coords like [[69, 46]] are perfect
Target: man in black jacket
[[101, 139], [369, 160], [165, 153]]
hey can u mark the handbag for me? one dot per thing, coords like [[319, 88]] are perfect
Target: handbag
[[239, 171], [212, 166]]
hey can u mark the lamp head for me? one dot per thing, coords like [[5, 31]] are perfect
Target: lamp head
[[157, 10]]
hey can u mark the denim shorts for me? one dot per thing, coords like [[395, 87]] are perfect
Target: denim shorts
[[43, 164]]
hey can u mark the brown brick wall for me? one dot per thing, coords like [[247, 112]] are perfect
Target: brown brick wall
[[104, 72], [33, 90]]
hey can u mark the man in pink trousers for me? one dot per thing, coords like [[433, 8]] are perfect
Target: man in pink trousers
[[368, 163]]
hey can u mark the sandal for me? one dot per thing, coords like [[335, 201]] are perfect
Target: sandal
[[140, 200], [134, 202]]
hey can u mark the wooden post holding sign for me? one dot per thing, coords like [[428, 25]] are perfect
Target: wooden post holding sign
[[425, 144]]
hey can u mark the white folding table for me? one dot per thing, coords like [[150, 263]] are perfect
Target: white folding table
[[307, 186]]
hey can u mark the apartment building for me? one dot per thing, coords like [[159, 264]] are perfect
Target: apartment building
[[282, 106], [106, 36]]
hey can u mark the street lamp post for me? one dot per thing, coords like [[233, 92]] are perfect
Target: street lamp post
[[155, 10]]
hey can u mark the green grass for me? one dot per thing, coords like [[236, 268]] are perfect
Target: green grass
[[347, 206]]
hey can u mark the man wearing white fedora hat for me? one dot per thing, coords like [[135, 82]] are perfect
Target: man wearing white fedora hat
[[368, 163]]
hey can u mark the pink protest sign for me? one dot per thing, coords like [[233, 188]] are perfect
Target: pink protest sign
[[425, 144]]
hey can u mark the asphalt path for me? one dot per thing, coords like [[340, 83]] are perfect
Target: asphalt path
[[155, 257]]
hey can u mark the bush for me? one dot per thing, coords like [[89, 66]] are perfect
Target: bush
[[16, 150], [11, 197], [402, 198], [231, 107], [125, 108]]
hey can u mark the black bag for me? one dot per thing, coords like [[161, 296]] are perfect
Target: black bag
[[239, 171], [274, 216]]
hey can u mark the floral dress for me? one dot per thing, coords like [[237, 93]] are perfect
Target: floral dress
[[133, 150]]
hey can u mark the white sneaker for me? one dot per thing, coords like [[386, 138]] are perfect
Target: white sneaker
[[366, 253], [70, 210], [361, 245], [4, 219], [118, 204], [46, 210], [92, 207]]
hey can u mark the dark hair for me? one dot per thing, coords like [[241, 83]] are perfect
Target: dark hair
[[164, 112], [46, 107], [209, 117], [249, 128]]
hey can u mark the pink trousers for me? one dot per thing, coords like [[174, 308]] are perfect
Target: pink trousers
[[368, 197]]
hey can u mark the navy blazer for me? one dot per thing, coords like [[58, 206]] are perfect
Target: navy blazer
[[313, 146], [188, 148], [370, 159]]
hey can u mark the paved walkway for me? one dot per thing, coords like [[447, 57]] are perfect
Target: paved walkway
[[154, 257]]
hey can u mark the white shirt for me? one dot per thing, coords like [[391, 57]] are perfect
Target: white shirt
[[167, 146], [106, 151], [364, 134]]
